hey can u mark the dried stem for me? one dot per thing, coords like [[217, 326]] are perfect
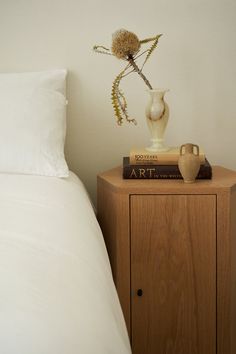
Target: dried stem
[[131, 71], [138, 71], [138, 56], [146, 40], [101, 49]]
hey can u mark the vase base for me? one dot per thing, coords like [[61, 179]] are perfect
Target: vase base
[[157, 146]]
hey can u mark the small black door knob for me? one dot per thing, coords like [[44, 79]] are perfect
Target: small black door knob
[[139, 292]]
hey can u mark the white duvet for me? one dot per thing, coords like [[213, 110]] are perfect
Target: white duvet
[[56, 290]]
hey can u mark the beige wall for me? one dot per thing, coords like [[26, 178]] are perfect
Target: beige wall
[[196, 60]]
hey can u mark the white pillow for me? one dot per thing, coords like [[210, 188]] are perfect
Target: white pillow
[[33, 123]]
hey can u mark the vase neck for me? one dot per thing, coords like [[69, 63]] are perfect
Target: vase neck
[[189, 148], [157, 93]]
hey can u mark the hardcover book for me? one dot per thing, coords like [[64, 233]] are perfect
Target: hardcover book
[[134, 171], [170, 157]]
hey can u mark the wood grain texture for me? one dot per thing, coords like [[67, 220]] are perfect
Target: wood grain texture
[[223, 273], [226, 273], [223, 179], [113, 217], [114, 196], [233, 271], [173, 256]]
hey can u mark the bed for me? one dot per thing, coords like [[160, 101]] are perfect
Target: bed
[[57, 294]]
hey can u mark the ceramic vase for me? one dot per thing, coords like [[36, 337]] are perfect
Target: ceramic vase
[[157, 115], [189, 162]]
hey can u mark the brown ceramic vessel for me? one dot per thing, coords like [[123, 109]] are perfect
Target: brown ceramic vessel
[[189, 162]]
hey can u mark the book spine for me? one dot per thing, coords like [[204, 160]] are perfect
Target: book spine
[[157, 160], [143, 158], [156, 172]]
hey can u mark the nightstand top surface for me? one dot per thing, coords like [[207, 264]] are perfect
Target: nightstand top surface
[[223, 179]]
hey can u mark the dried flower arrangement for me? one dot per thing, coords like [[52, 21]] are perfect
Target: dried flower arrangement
[[126, 46]]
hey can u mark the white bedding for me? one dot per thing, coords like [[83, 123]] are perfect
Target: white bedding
[[56, 290]]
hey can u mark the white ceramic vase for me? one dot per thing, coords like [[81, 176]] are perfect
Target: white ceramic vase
[[157, 114]]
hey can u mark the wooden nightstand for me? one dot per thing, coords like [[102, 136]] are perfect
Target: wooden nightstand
[[172, 248]]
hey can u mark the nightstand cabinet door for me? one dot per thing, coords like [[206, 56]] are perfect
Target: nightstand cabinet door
[[173, 274]]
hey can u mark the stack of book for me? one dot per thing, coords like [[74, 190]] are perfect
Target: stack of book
[[142, 164]]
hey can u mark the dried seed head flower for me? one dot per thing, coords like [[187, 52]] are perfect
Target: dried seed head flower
[[124, 44]]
